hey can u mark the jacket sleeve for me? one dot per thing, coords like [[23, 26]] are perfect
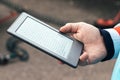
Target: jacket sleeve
[[112, 41]]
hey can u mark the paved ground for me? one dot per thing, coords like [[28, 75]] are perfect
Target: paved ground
[[43, 67]]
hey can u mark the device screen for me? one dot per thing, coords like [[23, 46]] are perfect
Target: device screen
[[44, 36]]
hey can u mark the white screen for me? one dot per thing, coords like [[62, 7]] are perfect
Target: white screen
[[43, 36]]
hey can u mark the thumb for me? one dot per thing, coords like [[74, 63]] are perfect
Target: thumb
[[69, 28]]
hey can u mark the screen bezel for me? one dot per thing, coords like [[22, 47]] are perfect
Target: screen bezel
[[76, 49], [44, 36]]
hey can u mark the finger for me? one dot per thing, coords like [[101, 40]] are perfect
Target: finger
[[83, 63], [60, 62], [69, 28], [84, 57], [78, 37]]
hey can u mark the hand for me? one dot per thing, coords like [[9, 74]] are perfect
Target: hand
[[94, 48]]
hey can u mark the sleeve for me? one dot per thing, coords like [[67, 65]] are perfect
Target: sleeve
[[112, 41]]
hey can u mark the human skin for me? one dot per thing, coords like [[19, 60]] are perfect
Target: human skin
[[94, 48]]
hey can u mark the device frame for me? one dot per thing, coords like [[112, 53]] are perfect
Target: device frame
[[72, 59]]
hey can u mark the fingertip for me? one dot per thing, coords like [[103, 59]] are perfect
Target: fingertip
[[61, 29], [84, 57], [60, 62], [64, 29]]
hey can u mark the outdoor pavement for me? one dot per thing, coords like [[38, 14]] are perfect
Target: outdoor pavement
[[43, 67]]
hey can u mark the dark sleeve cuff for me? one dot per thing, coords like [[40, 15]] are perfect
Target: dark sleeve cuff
[[108, 44]]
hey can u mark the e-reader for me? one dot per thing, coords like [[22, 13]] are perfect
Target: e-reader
[[47, 39]]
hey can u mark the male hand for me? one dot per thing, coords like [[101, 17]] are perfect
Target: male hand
[[94, 48]]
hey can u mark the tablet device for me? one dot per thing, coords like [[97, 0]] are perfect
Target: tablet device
[[46, 38]]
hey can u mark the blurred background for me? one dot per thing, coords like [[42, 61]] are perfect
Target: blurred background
[[56, 13]]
